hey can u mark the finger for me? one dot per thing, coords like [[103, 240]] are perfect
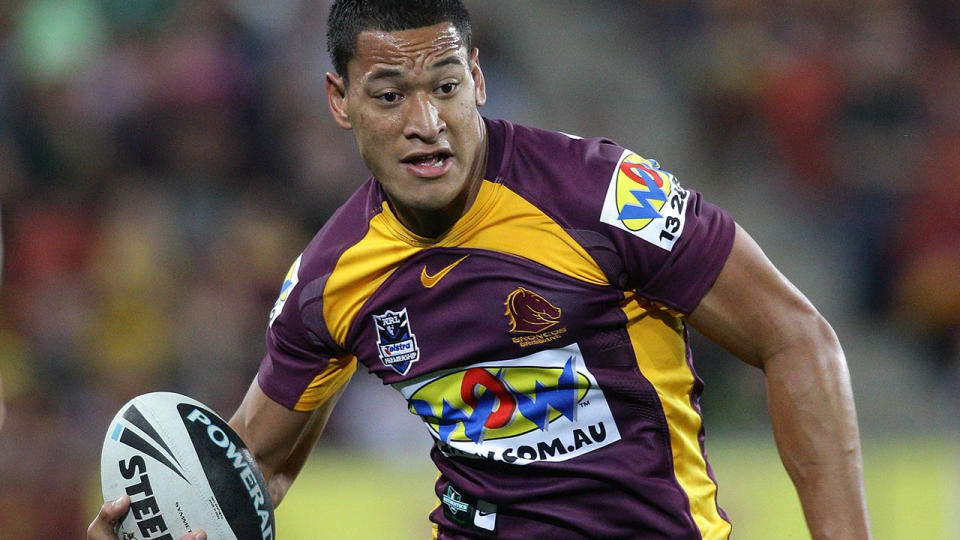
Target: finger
[[114, 510], [197, 535], [102, 526]]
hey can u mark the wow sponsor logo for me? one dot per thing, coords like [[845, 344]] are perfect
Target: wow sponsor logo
[[645, 201], [543, 407]]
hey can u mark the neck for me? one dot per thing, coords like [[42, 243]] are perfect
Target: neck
[[434, 223]]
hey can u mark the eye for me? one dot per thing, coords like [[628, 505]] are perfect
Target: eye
[[447, 88], [389, 97]]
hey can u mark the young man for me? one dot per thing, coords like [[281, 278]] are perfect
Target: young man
[[528, 294]]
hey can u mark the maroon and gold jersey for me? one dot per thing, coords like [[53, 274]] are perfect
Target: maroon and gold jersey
[[541, 339]]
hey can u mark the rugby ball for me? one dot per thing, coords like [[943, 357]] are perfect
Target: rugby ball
[[185, 469]]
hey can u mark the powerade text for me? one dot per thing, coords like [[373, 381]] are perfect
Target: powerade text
[[220, 438]]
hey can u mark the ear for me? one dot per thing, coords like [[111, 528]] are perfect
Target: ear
[[480, 88], [337, 100]]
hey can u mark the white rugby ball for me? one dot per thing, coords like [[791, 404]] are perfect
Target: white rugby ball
[[185, 469]]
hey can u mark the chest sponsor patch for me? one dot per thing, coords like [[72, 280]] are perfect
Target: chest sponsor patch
[[288, 283], [645, 201], [543, 407]]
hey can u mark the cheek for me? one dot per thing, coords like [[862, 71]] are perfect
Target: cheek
[[371, 132], [466, 120], [377, 127]]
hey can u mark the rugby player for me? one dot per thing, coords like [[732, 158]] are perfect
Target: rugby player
[[528, 293]]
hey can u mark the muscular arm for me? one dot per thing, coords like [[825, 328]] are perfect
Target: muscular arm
[[280, 439], [756, 314]]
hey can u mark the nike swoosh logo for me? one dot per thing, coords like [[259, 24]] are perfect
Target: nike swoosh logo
[[429, 281]]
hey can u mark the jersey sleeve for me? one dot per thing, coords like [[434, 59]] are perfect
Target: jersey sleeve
[[644, 230], [303, 366], [671, 241]]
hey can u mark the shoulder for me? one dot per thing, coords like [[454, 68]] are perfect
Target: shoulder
[[557, 150], [564, 175], [307, 276], [344, 228]]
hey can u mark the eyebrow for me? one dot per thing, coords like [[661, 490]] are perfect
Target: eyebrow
[[390, 73], [448, 61], [384, 73]]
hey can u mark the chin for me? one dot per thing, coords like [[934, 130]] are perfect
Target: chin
[[430, 197], [428, 204]]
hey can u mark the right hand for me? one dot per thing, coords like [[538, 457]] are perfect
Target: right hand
[[103, 526]]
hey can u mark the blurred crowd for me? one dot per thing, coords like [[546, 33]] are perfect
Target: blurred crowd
[[860, 107], [163, 162]]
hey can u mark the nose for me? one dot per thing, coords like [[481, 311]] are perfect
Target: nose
[[422, 119]]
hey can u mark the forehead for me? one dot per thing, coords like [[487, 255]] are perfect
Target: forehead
[[414, 49]]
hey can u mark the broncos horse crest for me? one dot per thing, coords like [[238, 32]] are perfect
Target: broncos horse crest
[[529, 312]]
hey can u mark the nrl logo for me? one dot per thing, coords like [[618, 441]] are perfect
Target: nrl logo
[[396, 344], [530, 313]]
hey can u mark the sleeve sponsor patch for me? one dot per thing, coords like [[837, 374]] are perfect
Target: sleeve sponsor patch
[[288, 284], [645, 201]]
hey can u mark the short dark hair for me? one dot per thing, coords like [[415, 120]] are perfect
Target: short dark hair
[[350, 17]]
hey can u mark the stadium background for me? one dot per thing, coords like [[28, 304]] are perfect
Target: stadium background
[[162, 163]]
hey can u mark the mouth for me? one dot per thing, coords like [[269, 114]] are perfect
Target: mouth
[[428, 164]]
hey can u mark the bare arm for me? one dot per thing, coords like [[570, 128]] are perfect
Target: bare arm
[[280, 439], [756, 314]]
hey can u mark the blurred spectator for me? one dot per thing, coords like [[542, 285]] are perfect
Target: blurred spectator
[[926, 235]]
